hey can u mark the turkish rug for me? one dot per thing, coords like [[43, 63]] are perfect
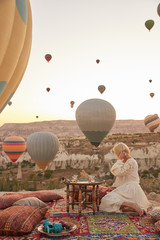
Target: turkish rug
[[122, 226]]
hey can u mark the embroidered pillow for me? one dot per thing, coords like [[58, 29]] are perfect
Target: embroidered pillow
[[30, 201], [20, 220], [44, 195], [102, 192], [155, 213], [8, 200]]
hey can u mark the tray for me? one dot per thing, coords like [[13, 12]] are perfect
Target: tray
[[63, 233]]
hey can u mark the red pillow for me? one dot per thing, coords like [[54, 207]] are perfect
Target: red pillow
[[44, 195], [8, 200], [102, 192], [20, 220]]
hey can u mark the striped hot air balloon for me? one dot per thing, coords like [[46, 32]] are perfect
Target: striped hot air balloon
[[15, 45], [95, 118], [152, 122], [42, 147], [14, 147]]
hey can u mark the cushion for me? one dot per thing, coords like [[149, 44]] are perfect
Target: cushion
[[155, 213], [102, 192], [44, 195], [20, 220], [30, 201], [8, 200], [157, 224]]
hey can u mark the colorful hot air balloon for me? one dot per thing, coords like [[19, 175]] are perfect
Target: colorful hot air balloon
[[14, 147], [158, 9], [149, 24], [95, 118], [15, 45], [48, 57], [151, 94], [72, 104], [42, 147], [97, 61], [150, 80], [101, 88], [152, 122], [48, 89]]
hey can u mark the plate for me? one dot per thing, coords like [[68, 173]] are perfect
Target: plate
[[62, 233]]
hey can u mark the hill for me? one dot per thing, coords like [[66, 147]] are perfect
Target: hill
[[64, 128]]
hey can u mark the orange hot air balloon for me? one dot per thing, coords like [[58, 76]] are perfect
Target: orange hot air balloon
[[151, 94], [101, 88], [72, 104], [150, 80], [97, 61], [48, 89], [14, 147], [9, 103], [48, 57]]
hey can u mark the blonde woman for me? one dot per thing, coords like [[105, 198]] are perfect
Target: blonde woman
[[128, 194]]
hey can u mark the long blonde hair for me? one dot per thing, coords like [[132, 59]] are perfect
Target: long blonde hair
[[120, 147]]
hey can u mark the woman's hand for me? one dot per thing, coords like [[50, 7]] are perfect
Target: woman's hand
[[83, 174]]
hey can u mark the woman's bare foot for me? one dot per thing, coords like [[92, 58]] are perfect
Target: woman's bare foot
[[134, 206]]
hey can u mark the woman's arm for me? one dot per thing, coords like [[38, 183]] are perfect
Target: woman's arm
[[123, 169]]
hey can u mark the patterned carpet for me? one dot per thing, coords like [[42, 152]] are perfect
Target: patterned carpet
[[99, 226]]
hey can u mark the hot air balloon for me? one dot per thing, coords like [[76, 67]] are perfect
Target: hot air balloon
[[158, 9], [36, 116], [152, 122], [72, 104], [101, 88], [150, 80], [48, 89], [151, 94], [48, 57], [149, 24], [14, 147], [97, 61], [9, 103], [42, 147], [15, 46], [95, 118]]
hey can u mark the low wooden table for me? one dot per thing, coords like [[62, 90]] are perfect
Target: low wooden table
[[81, 187]]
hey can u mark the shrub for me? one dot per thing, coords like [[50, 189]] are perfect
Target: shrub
[[48, 174]]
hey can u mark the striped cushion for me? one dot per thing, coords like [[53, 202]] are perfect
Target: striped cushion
[[20, 220]]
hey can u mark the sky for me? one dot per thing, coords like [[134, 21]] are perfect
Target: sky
[[76, 33]]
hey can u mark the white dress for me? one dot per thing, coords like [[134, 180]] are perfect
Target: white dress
[[127, 187]]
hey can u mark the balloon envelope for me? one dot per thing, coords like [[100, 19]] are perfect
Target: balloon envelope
[[15, 45], [150, 80], [48, 89], [149, 24], [72, 104], [151, 94], [97, 61], [9, 103], [42, 147], [152, 122], [14, 147], [48, 57], [101, 88], [95, 118], [158, 9]]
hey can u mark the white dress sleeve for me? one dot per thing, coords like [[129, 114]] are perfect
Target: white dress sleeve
[[122, 169]]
